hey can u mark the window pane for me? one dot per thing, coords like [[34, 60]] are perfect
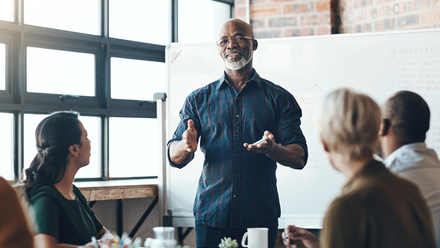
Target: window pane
[[133, 147], [7, 10], [82, 16], [91, 124], [2, 66], [60, 72], [213, 14], [137, 79], [140, 20], [6, 146]]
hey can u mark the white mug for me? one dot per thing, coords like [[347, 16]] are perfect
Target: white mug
[[257, 237]]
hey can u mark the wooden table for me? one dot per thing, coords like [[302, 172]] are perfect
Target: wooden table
[[119, 190]]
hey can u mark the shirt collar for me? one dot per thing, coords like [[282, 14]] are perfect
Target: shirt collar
[[390, 160], [223, 82]]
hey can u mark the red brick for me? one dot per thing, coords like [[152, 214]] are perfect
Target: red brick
[[292, 8], [306, 7], [240, 12], [323, 6], [430, 17], [307, 31], [323, 30], [384, 1], [265, 10], [291, 33]]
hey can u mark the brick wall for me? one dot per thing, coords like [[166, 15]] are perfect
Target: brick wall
[[385, 15], [286, 18]]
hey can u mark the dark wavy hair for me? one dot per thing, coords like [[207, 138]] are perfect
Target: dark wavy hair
[[54, 135]]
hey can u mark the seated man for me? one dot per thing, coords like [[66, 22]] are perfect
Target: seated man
[[402, 143], [14, 229], [376, 208]]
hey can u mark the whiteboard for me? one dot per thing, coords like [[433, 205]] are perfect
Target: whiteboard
[[377, 64]]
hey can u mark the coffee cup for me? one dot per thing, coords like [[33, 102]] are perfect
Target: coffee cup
[[256, 237], [164, 232]]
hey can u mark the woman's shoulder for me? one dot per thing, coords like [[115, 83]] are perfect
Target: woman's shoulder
[[44, 191]]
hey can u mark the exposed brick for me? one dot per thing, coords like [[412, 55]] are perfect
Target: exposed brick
[[377, 2], [265, 10], [418, 4], [432, 17], [373, 13], [307, 31], [408, 20], [292, 33], [309, 20], [292, 8], [239, 2], [267, 34], [323, 6], [323, 30], [306, 7], [240, 12], [282, 22], [368, 27], [257, 23]]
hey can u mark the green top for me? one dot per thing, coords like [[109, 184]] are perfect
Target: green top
[[69, 221]]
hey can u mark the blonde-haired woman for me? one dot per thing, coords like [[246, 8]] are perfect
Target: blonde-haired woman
[[376, 208]]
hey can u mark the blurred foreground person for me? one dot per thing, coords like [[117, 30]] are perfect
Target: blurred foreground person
[[14, 229], [376, 208]]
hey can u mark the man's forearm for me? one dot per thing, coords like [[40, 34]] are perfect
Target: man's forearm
[[178, 154], [291, 155]]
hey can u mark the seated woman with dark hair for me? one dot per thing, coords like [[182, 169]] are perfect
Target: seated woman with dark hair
[[62, 216]]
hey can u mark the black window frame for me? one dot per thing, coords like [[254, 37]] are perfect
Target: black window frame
[[16, 100]]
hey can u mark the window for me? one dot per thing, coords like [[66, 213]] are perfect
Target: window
[[133, 147], [102, 58], [136, 79], [60, 72], [7, 10], [2, 66], [6, 153], [150, 18], [71, 15], [192, 29]]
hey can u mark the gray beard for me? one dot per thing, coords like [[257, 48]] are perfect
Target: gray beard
[[237, 65]]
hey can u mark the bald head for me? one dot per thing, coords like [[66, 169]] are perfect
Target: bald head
[[237, 24], [408, 115]]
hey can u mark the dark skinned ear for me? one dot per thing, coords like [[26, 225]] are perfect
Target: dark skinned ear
[[255, 44], [385, 127]]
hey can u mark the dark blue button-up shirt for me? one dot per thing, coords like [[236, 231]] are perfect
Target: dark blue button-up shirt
[[237, 187]]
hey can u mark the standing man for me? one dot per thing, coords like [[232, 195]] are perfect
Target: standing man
[[402, 141], [237, 188]]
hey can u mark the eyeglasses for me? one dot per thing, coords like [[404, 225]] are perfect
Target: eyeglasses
[[237, 40]]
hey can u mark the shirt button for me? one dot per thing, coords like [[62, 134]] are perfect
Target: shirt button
[[237, 116], [236, 135], [235, 196]]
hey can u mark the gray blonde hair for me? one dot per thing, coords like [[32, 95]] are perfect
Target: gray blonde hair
[[348, 122]]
